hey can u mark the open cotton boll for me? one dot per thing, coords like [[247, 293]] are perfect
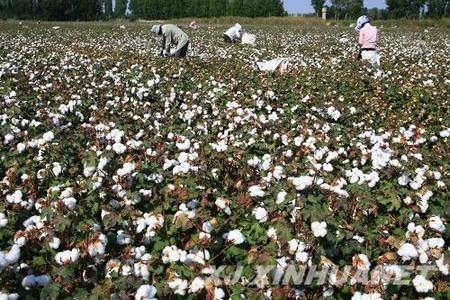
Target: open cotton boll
[[260, 214], [31, 280], [334, 113], [407, 251], [197, 285], [97, 247], [119, 148], [436, 243], [435, 222], [319, 229], [123, 238], [362, 296], [88, 170], [126, 169], [172, 254], [54, 243], [4, 296], [281, 196], [185, 145], [219, 294], [235, 236], [256, 191], [56, 169], [3, 220], [145, 292], [302, 182], [67, 256], [422, 285], [13, 255], [179, 286], [15, 197], [48, 136], [70, 202], [361, 262]]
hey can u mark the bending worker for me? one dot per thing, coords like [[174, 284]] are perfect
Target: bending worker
[[368, 40], [234, 34], [172, 35]]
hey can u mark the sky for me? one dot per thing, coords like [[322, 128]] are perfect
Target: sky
[[304, 6]]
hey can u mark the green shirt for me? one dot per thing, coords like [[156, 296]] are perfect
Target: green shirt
[[173, 35]]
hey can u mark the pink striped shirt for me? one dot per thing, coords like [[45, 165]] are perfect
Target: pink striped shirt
[[368, 37]]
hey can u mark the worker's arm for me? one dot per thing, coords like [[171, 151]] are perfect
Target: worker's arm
[[361, 38], [167, 41]]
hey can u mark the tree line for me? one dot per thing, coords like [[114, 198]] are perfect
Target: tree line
[[67, 10], [395, 9], [147, 9]]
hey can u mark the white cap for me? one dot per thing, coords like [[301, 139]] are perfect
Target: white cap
[[156, 29]]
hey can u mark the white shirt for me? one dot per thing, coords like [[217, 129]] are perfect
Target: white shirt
[[234, 33]]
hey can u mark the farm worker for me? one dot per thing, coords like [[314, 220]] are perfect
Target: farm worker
[[234, 34], [368, 40], [172, 35]]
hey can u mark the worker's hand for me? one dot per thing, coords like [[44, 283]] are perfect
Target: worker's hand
[[166, 53]]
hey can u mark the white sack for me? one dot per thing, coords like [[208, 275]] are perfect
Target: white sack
[[248, 38], [280, 64]]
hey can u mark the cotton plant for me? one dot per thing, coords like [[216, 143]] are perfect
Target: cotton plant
[[140, 170]]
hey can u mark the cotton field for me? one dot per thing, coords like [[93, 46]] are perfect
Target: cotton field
[[125, 175]]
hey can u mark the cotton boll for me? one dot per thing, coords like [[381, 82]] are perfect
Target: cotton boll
[[319, 229], [436, 243], [179, 286], [435, 222], [119, 148], [123, 238], [219, 294], [67, 256], [14, 198], [407, 251], [126, 169], [196, 285], [260, 214], [70, 202], [421, 284], [54, 243], [97, 247], [235, 236], [281, 196], [302, 257], [256, 191], [302, 182], [20, 147], [56, 169], [185, 145], [361, 262], [13, 255], [48, 136], [145, 292], [371, 296], [3, 220], [442, 266], [88, 170]]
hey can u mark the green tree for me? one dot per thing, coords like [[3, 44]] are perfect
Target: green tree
[[120, 8], [318, 5], [108, 9]]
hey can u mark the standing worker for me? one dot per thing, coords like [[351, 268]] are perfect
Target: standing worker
[[172, 35], [368, 40], [234, 34]]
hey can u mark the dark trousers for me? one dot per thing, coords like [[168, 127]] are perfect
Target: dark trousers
[[227, 39], [182, 52]]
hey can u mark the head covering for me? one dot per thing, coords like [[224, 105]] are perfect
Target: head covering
[[238, 27], [156, 29], [363, 20]]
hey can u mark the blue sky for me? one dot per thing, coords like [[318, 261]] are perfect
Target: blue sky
[[304, 6]]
